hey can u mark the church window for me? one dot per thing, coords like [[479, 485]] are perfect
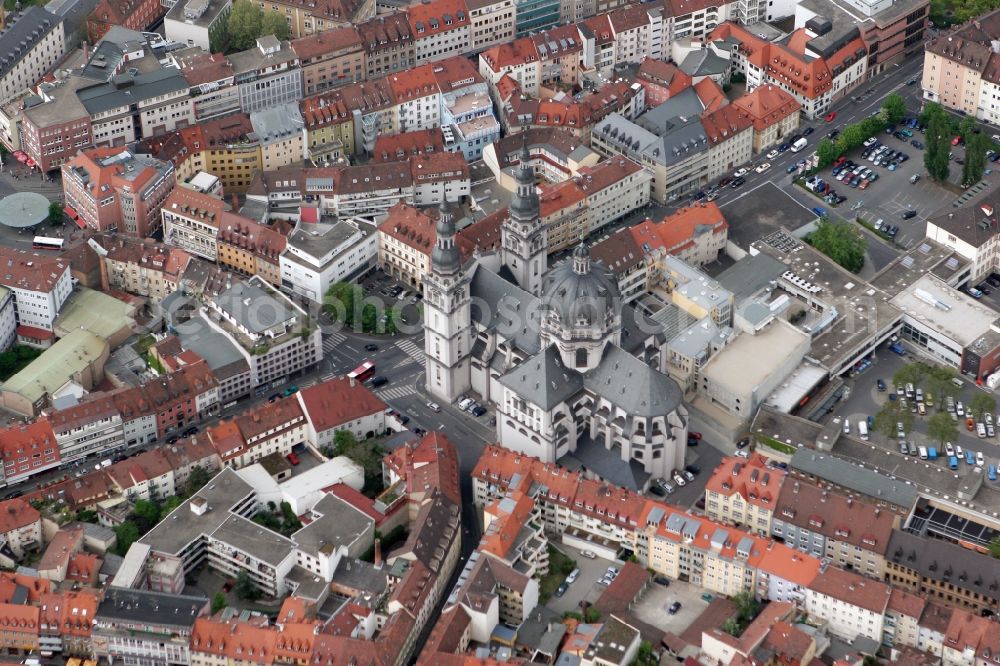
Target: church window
[[581, 358]]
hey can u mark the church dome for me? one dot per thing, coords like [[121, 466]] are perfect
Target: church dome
[[581, 293]]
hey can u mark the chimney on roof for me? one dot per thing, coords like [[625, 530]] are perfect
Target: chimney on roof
[[378, 553], [236, 201]]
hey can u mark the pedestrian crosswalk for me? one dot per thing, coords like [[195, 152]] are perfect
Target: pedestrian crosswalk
[[412, 350], [395, 392], [330, 343]]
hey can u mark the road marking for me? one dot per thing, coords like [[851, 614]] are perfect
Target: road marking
[[396, 392], [331, 343], [412, 350]]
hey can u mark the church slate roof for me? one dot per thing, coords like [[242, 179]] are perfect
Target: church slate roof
[[628, 383], [512, 311], [543, 380]]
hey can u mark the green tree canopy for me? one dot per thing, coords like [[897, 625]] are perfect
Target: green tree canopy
[[218, 602], [827, 152], [247, 21], [127, 534], [982, 403], [975, 158], [941, 427], [893, 109], [994, 547], [937, 141], [843, 243], [196, 480], [245, 588], [56, 215]]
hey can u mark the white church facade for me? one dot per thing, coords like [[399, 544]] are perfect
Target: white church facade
[[569, 375]]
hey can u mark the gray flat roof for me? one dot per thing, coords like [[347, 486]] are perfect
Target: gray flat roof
[[944, 561], [253, 308], [321, 240], [750, 274], [927, 257], [217, 350], [341, 525], [749, 360], [23, 209], [146, 607], [209, 11], [255, 539], [125, 89], [853, 477], [182, 526], [946, 310]]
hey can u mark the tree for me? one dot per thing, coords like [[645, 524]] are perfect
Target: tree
[[937, 141], [851, 137], [994, 548], [171, 504], [941, 427], [344, 442], [889, 416], [275, 24], [975, 158], [912, 373], [982, 403], [645, 656], [747, 606], [827, 152], [591, 615], [841, 242], [893, 109], [56, 215], [218, 602], [245, 588], [732, 627], [196, 480], [244, 25], [145, 515], [127, 534]]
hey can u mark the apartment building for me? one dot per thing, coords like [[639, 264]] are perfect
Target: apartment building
[[307, 18], [53, 131], [744, 492], [247, 248], [162, 472], [962, 70], [200, 23], [440, 29], [136, 15], [20, 530], [577, 114], [8, 319], [774, 112], [849, 531], [151, 270], [140, 627], [131, 106], [32, 43], [696, 235], [341, 404], [259, 433], [330, 58], [40, 285], [942, 572], [115, 190], [212, 82], [191, 222], [730, 135], [89, 428], [491, 22], [315, 258], [274, 336], [852, 605], [266, 75], [406, 238], [389, 45], [598, 196]]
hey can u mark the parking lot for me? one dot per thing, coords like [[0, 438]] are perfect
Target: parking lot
[[707, 457], [653, 607], [587, 585], [866, 400]]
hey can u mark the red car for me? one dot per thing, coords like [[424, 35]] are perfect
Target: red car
[[694, 435], [957, 141], [292, 458], [840, 160], [830, 117]]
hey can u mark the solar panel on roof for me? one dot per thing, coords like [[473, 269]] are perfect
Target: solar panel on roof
[[951, 264], [924, 248], [907, 261]]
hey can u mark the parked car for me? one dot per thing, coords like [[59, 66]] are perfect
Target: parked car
[[761, 168], [807, 131], [771, 155], [830, 117], [434, 407], [589, 554], [293, 458], [561, 590], [478, 411], [674, 607], [738, 183], [694, 434], [909, 215], [662, 580]]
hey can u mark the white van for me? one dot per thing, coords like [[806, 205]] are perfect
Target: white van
[[847, 427], [923, 452], [799, 145], [863, 430]]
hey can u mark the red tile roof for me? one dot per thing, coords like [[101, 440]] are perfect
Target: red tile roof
[[436, 16], [675, 232], [768, 105], [333, 403], [751, 479], [430, 463], [398, 147], [411, 226], [724, 123], [665, 74], [15, 514], [852, 588]]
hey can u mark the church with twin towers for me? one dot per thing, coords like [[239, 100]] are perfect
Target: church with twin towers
[[566, 366]]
